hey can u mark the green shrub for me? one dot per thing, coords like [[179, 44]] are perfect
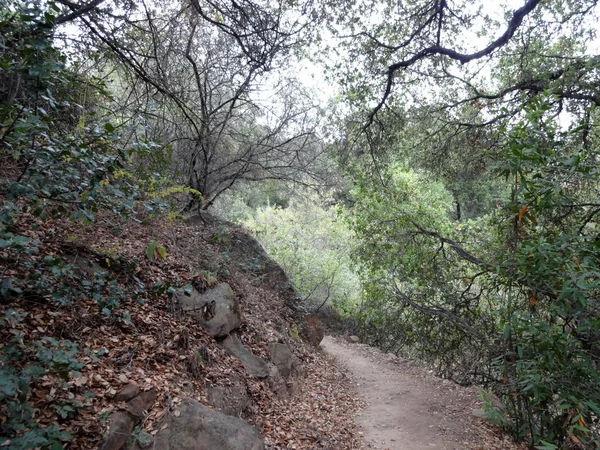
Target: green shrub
[[312, 243]]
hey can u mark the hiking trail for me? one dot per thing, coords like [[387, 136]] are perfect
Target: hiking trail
[[407, 408]]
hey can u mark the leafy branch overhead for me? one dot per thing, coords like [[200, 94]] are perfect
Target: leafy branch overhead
[[435, 24]]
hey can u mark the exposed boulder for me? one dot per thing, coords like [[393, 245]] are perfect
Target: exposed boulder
[[312, 331], [193, 426], [246, 249], [282, 357], [137, 406], [217, 310], [354, 339], [231, 400], [253, 364], [144, 440], [82, 263], [127, 393]]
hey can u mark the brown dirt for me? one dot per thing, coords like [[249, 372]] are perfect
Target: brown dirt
[[407, 408]]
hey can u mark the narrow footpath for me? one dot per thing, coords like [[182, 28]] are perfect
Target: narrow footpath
[[407, 408]]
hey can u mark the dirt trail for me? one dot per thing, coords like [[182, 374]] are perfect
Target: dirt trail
[[409, 409]]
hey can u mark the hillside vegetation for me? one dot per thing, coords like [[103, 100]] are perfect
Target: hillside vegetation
[[435, 192]]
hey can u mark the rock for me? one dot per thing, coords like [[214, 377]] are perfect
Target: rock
[[282, 357], [480, 413], [312, 332], [217, 310], [84, 265], [143, 402], [144, 440], [127, 393], [231, 400], [252, 363], [354, 339], [193, 426], [245, 250], [122, 422], [203, 218], [120, 428]]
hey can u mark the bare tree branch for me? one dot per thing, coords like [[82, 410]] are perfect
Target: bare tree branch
[[77, 10]]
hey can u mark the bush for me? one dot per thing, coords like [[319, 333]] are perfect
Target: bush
[[59, 159], [312, 244]]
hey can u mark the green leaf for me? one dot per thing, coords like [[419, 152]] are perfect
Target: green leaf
[[150, 250], [20, 241], [109, 127], [9, 384], [162, 251]]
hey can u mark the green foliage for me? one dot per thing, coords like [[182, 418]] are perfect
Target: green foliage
[[312, 244], [407, 275], [155, 251], [294, 333], [51, 357], [60, 159], [509, 299], [551, 332]]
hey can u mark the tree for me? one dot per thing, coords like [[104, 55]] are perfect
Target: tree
[[462, 69], [507, 298], [200, 77], [312, 243]]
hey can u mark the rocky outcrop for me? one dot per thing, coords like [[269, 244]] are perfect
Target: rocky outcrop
[[253, 364], [217, 310], [312, 331], [193, 426], [241, 248], [232, 400]]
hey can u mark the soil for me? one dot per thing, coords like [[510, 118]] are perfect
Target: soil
[[407, 408]]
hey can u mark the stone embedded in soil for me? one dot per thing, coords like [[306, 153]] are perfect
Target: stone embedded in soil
[[252, 363], [226, 316], [122, 422], [197, 427], [282, 357], [231, 400], [127, 393]]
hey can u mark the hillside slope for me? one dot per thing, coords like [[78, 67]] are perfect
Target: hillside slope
[[146, 340]]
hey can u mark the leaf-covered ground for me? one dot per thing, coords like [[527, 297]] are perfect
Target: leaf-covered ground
[[147, 341]]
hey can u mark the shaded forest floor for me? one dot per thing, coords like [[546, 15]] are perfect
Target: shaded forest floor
[[407, 408]]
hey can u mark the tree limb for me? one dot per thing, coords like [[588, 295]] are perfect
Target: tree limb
[[513, 24]]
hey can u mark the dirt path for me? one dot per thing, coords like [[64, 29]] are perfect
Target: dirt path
[[409, 409]]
